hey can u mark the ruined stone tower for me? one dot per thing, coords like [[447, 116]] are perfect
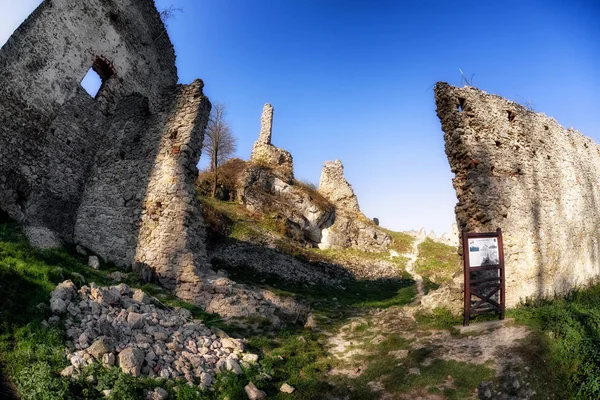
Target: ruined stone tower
[[263, 152], [521, 171], [266, 125], [114, 173]]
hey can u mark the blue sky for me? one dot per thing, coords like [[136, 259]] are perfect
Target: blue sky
[[353, 80]]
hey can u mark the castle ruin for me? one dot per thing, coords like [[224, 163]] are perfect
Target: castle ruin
[[521, 171], [113, 173]]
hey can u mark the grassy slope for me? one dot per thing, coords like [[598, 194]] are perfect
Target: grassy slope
[[234, 221], [32, 356], [437, 262]]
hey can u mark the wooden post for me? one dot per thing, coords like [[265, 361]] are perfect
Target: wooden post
[[467, 281], [502, 274]]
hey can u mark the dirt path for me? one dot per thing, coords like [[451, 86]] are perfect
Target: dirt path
[[410, 268], [397, 357]]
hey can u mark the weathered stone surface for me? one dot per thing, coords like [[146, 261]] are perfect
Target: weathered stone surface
[[100, 347], [350, 227], [114, 174], [58, 306], [94, 262], [304, 214], [140, 296], [108, 359], [253, 392], [52, 129], [521, 171], [264, 153], [42, 238], [335, 188], [130, 361], [64, 290], [285, 388], [135, 320]]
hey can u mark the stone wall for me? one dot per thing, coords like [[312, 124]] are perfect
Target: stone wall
[[50, 127], [521, 171], [139, 204], [115, 173]]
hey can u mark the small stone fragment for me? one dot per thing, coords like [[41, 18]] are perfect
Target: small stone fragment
[[158, 394], [285, 388], [253, 392], [141, 297], [77, 361], [233, 366], [108, 359], [229, 343], [65, 291], [135, 320], [58, 305], [220, 334], [94, 262], [68, 371], [310, 322], [130, 361], [250, 358], [100, 347]]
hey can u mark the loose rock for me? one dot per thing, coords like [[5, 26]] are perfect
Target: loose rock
[[253, 392]]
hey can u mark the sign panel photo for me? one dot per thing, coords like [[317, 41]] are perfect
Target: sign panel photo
[[483, 252]]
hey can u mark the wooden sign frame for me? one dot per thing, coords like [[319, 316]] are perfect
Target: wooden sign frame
[[495, 283]]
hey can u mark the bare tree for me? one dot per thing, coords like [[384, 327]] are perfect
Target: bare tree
[[169, 13], [219, 142]]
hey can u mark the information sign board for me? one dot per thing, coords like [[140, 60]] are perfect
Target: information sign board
[[483, 257]]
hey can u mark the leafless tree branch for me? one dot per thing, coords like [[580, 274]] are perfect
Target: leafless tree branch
[[219, 142]]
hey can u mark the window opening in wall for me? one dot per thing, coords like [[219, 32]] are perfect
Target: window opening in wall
[[92, 82], [511, 115], [100, 72], [461, 104]]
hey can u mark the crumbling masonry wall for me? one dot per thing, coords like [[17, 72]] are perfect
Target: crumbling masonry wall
[[51, 129], [114, 173], [521, 171], [350, 228]]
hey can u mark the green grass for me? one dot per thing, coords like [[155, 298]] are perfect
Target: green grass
[[232, 220], [401, 242], [349, 255], [567, 342], [437, 262]]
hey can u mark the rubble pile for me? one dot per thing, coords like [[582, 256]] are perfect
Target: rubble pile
[[127, 328]]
